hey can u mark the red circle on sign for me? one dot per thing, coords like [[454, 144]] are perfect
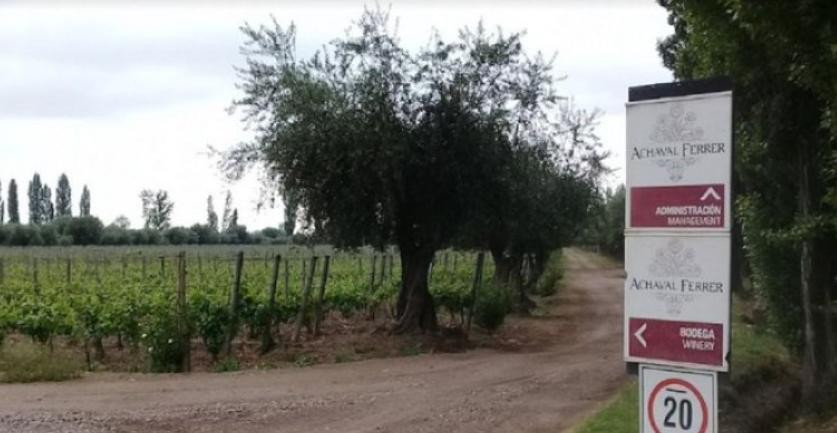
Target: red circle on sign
[[686, 385]]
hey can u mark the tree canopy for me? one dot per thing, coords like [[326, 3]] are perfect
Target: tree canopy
[[782, 59], [380, 145]]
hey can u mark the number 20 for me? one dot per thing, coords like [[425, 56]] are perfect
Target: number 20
[[683, 415]]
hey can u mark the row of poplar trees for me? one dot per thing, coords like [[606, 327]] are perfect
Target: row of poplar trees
[[782, 58], [42, 208]]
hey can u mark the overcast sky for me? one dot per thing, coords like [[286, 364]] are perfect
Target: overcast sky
[[125, 98]]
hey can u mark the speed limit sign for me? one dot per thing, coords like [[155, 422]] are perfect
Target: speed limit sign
[[678, 401]]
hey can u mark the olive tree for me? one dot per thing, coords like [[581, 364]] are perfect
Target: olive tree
[[379, 145]]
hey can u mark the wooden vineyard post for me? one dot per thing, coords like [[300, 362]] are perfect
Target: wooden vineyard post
[[267, 332], [144, 267], [383, 265], [182, 312], [430, 271], [287, 280], [233, 328], [69, 271], [305, 294], [2, 270], [372, 274], [302, 276], [162, 268], [96, 270], [318, 308], [35, 275], [475, 289], [391, 264]]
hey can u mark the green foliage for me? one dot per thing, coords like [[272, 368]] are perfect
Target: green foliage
[[227, 365], [85, 230], [114, 292], [303, 360], [161, 338], [180, 236], [210, 318], [492, 307], [84, 203], [620, 415], [13, 205], [548, 283], [211, 215], [375, 144], [63, 197], [782, 61], [36, 215], [606, 226]]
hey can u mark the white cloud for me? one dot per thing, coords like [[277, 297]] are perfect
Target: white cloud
[[126, 98]]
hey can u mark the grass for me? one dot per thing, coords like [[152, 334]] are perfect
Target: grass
[[620, 415], [756, 355], [25, 362], [227, 365]]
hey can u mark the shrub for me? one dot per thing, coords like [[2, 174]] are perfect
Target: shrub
[[551, 278], [49, 234], [180, 236], [115, 235], [491, 307], [227, 365], [20, 235], [161, 340], [84, 230], [204, 234], [211, 321], [272, 233]]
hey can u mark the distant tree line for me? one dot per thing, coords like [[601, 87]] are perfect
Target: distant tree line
[[605, 228], [52, 223]]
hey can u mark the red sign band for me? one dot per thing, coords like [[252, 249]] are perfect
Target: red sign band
[[695, 206], [687, 342]]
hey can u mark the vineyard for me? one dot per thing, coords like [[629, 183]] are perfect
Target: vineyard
[[165, 305]]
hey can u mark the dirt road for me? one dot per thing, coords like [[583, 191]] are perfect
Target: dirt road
[[478, 391]]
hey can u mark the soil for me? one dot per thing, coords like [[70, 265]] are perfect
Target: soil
[[537, 374]]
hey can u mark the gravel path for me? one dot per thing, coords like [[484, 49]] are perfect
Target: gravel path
[[475, 392]]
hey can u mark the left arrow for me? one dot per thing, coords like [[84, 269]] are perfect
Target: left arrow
[[638, 335]]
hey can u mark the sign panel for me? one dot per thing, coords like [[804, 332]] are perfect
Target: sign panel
[[684, 142], [677, 299], [693, 206], [684, 342], [677, 401]]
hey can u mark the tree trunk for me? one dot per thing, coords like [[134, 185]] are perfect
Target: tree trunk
[[416, 310], [809, 358]]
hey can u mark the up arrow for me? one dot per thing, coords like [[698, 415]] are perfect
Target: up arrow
[[710, 192], [638, 335]]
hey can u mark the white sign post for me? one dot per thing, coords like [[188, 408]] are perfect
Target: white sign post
[[678, 223], [678, 401]]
